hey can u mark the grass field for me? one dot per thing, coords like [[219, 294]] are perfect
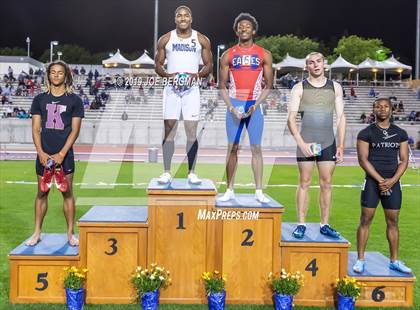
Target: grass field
[[16, 208]]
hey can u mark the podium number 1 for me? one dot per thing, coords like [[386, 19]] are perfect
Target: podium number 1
[[180, 220], [312, 267], [42, 278]]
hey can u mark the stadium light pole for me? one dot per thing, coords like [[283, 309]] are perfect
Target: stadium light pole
[[52, 43], [418, 42], [155, 38], [28, 42], [59, 54], [219, 48]]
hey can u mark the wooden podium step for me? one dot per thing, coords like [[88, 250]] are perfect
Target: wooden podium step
[[113, 241], [248, 237], [320, 259], [178, 239], [36, 273], [384, 287]]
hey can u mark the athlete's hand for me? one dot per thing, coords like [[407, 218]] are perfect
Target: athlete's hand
[[251, 109], [306, 149], [386, 185], [235, 112], [43, 158], [339, 155], [58, 158]]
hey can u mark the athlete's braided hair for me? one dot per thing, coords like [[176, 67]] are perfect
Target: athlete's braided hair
[[245, 16], [68, 77]]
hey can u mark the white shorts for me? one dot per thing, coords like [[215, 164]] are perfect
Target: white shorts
[[188, 104]]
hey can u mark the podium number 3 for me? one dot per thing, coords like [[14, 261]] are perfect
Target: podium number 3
[[312, 267], [113, 247], [42, 278]]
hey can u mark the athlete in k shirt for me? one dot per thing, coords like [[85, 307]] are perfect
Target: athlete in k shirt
[[183, 48], [247, 67], [382, 150], [56, 120]]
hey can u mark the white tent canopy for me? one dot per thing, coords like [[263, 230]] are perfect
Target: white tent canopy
[[368, 64], [291, 62], [392, 63], [144, 59], [340, 62], [115, 60]]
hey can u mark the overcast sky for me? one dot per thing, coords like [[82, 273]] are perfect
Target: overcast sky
[[128, 24]]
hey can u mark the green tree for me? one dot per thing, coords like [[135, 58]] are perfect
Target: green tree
[[280, 45], [13, 51], [355, 49]]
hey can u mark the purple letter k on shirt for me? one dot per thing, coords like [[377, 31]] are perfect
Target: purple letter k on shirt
[[54, 120]]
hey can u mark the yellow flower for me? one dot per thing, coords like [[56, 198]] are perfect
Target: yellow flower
[[153, 265], [85, 270], [283, 276], [216, 272], [224, 277]]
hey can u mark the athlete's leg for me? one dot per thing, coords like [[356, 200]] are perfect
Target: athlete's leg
[[302, 195], [192, 143], [392, 232], [366, 218], [168, 143], [257, 165], [70, 211], [325, 171], [232, 164], [41, 206]]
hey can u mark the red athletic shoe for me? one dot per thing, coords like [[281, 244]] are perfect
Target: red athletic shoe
[[60, 179], [46, 180]]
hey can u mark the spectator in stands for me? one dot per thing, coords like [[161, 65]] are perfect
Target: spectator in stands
[[371, 118], [373, 93], [344, 94], [90, 75], [31, 72], [82, 71], [4, 99], [96, 74], [76, 71], [400, 106], [85, 101], [1, 90], [411, 142], [353, 93], [363, 118], [412, 116], [418, 116]]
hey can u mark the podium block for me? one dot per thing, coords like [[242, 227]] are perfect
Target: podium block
[[113, 241], [384, 287], [321, 259], [249, 233], [36, 273], [178, 239]]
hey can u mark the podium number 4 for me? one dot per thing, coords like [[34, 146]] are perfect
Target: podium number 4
[[42, 278], [312, 267]]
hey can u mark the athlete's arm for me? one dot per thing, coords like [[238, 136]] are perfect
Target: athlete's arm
[[161, 56], [402, 166], [75, 129], [223, 76], [341, 121], [268, 80], [206, 56], [293, 109], [362, 156], [36, 137]]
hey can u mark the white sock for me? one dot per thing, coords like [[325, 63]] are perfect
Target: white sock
[[322, 225]]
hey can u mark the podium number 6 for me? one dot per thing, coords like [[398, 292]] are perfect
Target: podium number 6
[[113, 246], [42, 278], [377, 294]]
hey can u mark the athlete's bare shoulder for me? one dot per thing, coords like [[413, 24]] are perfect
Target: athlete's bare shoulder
[[203, 39], [164, 39], [338, 89]]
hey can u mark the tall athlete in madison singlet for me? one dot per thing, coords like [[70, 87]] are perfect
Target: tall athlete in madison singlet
[[183, 48], [382, 150], [56, 119], [247, 66], [316, 97]]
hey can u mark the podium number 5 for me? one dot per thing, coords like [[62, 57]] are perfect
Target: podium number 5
[[312, 267], [113, 247], [42, 278]]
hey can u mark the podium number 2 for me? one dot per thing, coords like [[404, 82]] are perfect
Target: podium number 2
[[180, 220], [42, 278], [312, 267], [378, 294], [246, 241], [113, 247]]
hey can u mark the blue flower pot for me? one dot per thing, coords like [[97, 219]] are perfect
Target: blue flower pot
[[216, 301], [283, 302], [75, 299], [150, 300], [345, 302]]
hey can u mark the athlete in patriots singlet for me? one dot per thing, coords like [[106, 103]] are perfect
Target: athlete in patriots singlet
[[56, 119], [317, 97], [247, 66], [382, 150], [183, 48]]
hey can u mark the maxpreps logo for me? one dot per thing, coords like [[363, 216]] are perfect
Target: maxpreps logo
[[184, 47], [250, 61]]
